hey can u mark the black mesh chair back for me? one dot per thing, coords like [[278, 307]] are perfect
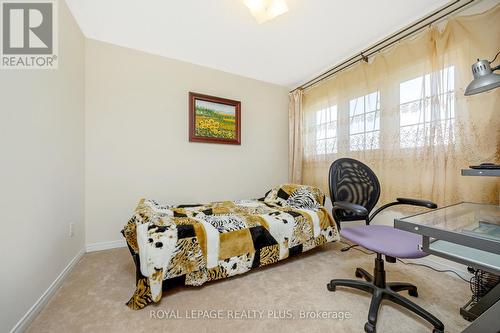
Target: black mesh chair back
[[352, 181], [355, 190]]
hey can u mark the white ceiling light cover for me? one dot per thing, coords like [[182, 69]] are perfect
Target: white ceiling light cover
[[265, 10]]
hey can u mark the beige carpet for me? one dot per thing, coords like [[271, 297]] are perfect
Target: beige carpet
[[93, 298]]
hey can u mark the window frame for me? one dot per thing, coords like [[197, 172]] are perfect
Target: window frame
[[364, 114], [330, 110], [450, 114]]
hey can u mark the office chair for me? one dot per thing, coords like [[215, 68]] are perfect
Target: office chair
[[355, 190]]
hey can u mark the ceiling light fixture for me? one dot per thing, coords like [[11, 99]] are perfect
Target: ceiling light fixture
[[265, 10]]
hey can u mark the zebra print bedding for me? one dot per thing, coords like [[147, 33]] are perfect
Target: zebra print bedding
[[207, 242]]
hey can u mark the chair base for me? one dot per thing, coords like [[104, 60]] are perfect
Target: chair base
[[376, 285]]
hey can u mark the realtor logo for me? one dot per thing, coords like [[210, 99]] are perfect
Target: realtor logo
[[29, 34]]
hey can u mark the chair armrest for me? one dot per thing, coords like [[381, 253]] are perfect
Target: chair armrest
[[345, 205], [405, 201], [417, 202]]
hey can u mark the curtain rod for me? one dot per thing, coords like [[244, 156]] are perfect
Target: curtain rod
[[433, 17]]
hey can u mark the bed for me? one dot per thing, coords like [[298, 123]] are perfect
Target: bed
[[206, 242]]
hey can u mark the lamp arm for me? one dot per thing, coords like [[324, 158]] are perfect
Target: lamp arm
[[495, 57]]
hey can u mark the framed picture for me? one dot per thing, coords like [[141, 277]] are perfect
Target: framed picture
[[214, 119]]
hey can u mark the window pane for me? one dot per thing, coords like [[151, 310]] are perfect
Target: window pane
[[333, 113], [331, 130], [427, 110], [411, 90], [447, 106], [443, 81], [357, 142], [356, 106], [372, 140], [325, 131], [427, 86], [320, 116], [320, 147], [326, 115], [451, 103], [373, 121], [321, 132], [328, 146], [430, 119], [372, 102], [411, 113], [364, 117], [442, 132], [449, 79], [357, 124], [412, 136], [331, 146]]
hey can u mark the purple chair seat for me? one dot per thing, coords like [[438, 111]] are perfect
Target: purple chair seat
[[385, 240]]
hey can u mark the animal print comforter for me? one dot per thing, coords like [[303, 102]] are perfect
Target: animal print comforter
[[207, 242]]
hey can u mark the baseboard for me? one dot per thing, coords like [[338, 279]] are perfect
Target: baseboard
[[105, 245], [23, 324], [28, 318]]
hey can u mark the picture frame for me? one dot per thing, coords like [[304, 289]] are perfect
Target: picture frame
[[214, 119]]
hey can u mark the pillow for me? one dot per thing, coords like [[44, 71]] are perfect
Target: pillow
[[296, 196]]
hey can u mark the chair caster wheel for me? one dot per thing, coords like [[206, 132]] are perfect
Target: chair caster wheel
[[413, 293], [369, 328], [330, 287], [437, 331]]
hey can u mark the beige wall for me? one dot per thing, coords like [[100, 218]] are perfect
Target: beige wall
[[137, 137], [41, 161]]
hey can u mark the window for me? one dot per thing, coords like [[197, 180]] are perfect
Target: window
[[364, 122], [427, 109], [326, 131]]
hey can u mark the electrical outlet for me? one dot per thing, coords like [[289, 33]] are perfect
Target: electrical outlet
[[71, 229]]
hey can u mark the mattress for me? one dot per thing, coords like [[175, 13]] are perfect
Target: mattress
[[207, 242]]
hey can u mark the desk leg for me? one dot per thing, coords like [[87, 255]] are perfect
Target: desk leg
[[488, 322], [484, 304]]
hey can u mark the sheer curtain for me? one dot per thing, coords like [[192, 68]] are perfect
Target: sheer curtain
[[295, 148], [405, 114]]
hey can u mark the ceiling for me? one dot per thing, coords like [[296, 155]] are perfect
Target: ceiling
[[222, 34]]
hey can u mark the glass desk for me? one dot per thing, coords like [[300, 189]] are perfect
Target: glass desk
[[467, 233]]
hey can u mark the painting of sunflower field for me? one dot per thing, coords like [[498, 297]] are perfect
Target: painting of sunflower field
[[214, 119]]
